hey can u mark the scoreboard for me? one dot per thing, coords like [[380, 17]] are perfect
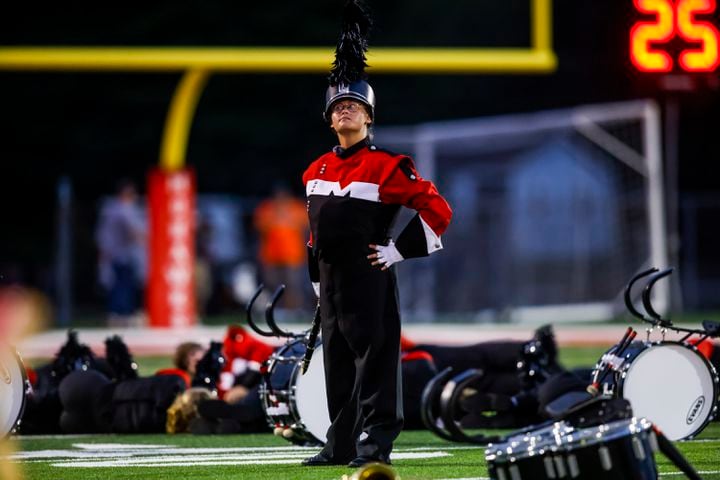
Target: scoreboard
[[675, 36]]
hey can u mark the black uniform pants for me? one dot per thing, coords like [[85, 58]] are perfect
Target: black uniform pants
[[361, 349]]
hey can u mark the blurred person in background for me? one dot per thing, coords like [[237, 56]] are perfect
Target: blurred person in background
[[120, 238], [185, 360], [23, 311], [204, 281], [281, 223]]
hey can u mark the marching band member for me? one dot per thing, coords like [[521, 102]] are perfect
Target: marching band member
[[354, 194]]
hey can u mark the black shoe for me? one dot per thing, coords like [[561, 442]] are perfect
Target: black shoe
[[361, 461], [320, 460]]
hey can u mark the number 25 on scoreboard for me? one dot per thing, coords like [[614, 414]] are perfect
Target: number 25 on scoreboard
[[673, 18]]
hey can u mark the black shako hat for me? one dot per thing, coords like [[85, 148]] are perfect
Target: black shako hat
[[347, 76]]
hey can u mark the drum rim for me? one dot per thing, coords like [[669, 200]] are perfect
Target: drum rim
[[293, 414], [23, 400], [620, 378], [561, 447], [293, 389]]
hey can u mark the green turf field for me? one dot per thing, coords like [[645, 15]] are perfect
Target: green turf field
[[417, 455]]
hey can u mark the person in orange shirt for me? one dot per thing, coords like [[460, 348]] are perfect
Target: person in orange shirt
[[281, 222]]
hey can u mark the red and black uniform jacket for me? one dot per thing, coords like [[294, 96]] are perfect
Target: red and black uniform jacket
[[353, 197]]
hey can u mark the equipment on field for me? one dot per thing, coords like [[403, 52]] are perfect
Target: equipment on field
[[208, 368], [621, 450], [294, 403], [668, 382], [292, 391], [674, 371], [249, 317], [471, 399], [312, 339], [373, 471], [14, 386]]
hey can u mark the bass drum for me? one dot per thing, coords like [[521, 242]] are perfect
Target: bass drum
[[622, 450], [295, 404], [669, 383], [13, 388]]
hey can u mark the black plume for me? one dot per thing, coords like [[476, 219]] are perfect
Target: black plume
[[72, 356], [207, 371], [350, 61], [119, 358]]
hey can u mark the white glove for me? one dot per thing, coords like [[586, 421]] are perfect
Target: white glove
[[316, 288], [386, 255]]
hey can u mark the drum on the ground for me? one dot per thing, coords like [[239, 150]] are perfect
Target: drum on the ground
[[621, 450], [669, 383], [13, 389], [296, 404]]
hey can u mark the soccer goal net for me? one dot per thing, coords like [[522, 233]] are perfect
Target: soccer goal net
[[553, 213]]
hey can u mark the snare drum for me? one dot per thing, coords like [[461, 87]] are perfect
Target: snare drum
[[295, 404], [622, 450], [14, 386], [669, 383]]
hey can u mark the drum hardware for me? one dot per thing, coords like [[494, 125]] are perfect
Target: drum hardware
[[311, 336], [628, 290], [289, 398], [270, 319], [709, 329], [642, 370], [449, 400], [622, 449], [248, 313], [14, 389], [270, 316], [442, 394], [429, 403], [311, 339], [610, 360], [441, 405]]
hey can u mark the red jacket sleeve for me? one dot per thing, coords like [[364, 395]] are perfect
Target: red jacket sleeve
[[406, 187]]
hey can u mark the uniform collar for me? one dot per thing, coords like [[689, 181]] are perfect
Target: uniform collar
[[347, 152]]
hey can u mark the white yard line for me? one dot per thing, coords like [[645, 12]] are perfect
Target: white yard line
[[208, 460], [471, 478], [108, 450], [704, 472], [156, 450], [178, 464], [117, 446]]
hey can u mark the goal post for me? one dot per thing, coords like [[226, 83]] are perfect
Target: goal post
[[554, 211]]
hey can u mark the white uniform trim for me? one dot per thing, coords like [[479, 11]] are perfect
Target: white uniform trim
[[361, 190], [433, 240]]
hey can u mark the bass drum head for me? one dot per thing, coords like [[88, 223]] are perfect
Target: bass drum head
[[311, 399], [673, 386], [12, 391]]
